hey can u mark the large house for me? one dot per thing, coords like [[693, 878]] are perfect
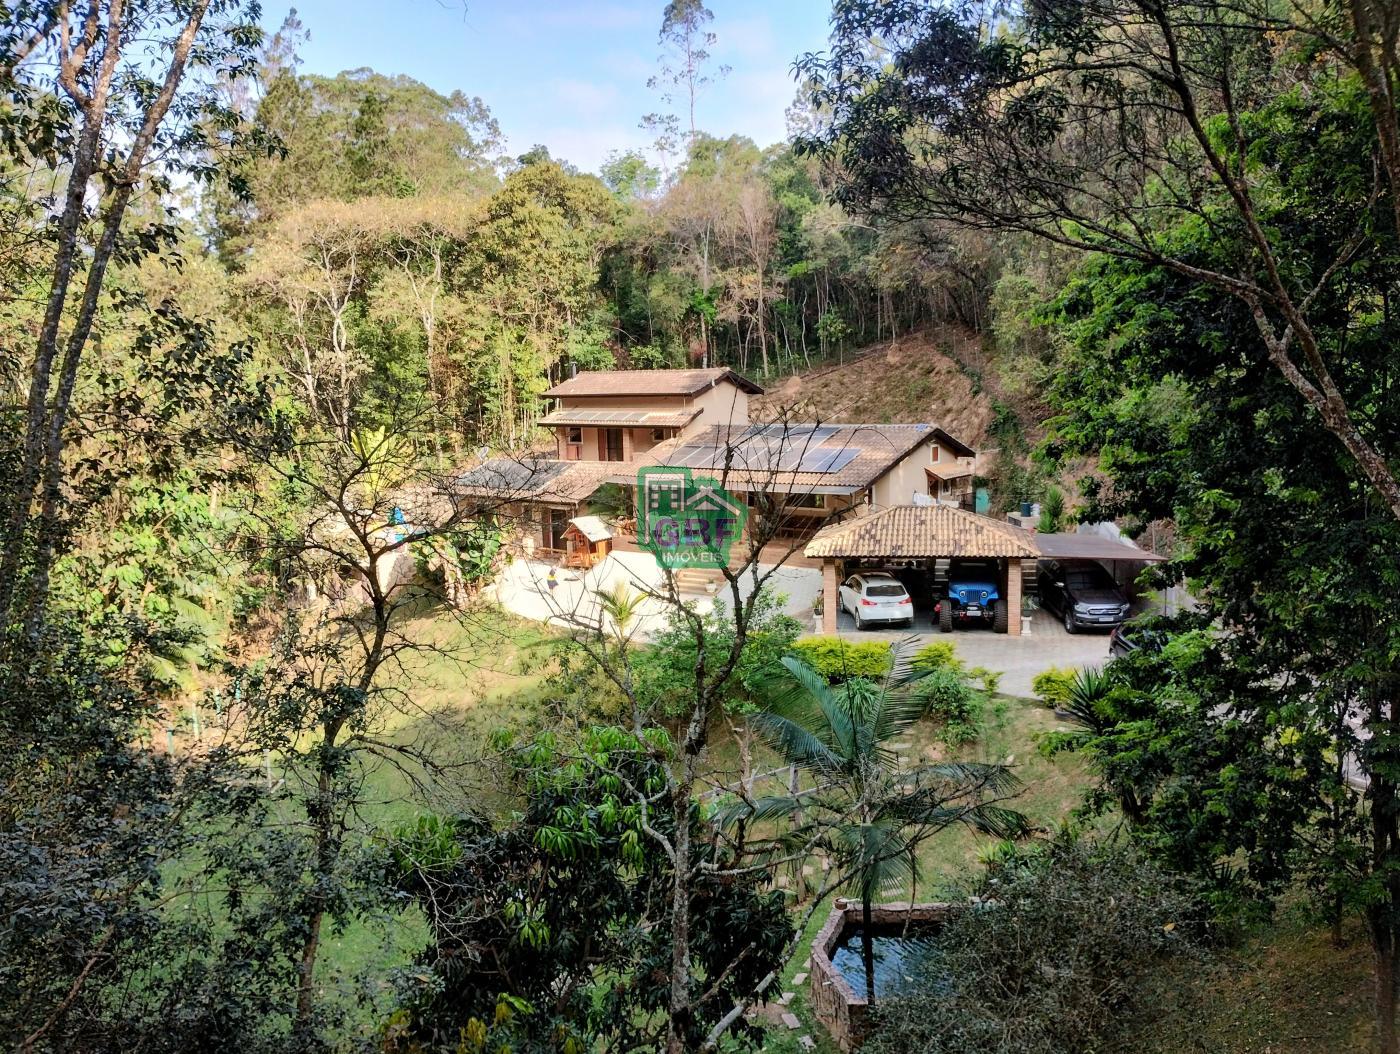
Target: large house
[[609, 423]]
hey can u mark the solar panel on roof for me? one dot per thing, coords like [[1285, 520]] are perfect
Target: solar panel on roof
[[829, 460]]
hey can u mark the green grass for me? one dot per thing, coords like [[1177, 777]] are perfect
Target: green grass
[[1286, 989]]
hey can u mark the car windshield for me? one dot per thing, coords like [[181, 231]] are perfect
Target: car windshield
[[1088, 578], [884, 589], [967, 572]]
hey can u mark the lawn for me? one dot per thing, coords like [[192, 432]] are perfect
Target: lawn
[[1286, 989]]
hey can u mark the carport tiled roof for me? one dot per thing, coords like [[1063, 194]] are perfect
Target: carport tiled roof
[[923, 531]]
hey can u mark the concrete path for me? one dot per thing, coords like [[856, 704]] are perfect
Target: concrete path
[[523, 590], [1019, 659]]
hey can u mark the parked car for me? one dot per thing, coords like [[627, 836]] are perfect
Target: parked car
[[1082, 595], [1130, 637], [973, 595], [874, 596]]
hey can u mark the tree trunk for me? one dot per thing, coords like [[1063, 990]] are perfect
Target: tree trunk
[[680, 1010], [867, 947], [1383, 938]]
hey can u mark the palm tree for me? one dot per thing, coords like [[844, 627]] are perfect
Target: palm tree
[[869, 815], [619, 604]]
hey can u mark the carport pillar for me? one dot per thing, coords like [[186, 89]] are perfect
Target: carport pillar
[[1013, 597], [829, 596]]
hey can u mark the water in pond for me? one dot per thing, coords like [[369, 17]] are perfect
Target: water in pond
[[896, 956]]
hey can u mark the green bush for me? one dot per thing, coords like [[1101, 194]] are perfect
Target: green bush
[[990, 678], [949, 699], [1067, 953], [1053, 686], [936, 656], [837, 659]]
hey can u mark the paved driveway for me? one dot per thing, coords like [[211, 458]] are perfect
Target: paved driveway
[[1018, 658]]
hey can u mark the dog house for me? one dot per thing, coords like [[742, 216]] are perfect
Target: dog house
[[587, 541]]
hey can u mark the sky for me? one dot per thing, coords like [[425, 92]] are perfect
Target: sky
[[571, 74]]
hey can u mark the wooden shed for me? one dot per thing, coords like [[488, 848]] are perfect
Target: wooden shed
[[587, 541]]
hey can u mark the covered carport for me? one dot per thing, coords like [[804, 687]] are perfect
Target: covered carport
[[1125, 559], [922, 536]]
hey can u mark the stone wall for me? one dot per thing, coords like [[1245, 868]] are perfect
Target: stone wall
[[835, 1004]]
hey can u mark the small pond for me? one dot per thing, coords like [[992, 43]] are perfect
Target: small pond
[[897, 952]]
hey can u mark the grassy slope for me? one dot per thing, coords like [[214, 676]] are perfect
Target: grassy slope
[[1286, 990], [914, 379]]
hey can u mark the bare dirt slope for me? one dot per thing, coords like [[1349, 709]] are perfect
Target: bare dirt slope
[[916, 378]]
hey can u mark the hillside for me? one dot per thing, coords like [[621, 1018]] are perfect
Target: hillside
[[941, 376]]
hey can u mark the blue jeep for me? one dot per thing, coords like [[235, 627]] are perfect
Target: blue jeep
[[973, 594]]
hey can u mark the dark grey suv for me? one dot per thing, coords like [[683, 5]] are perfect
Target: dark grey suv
[[1082, 594]]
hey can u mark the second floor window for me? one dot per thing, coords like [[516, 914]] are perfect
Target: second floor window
[[612, 444]]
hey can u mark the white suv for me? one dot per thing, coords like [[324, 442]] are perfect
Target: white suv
[[876, 597]]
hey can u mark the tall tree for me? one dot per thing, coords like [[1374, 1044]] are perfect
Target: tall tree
[[866, 812], [1105, 126], [120, 69], [685, 42]]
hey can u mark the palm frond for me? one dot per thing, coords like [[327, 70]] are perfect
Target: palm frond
[[760, 809], [902, 671], [803, 696], [966, 776], [797, 744], [897, 715]]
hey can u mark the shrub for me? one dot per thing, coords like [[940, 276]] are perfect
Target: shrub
[[1053, 686], [936, 656], [837, 659], [950, 700], [1052, 511], [990, 678], [1065, 954]]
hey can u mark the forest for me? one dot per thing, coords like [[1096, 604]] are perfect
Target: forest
[[263, 790]]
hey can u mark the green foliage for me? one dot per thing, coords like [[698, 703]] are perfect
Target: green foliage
[[989, 679], [865, 812], [837, 659], [833, 330], [953, 703], [1052, 511], [1053, 686], [937, 655], [664, 672], [571, 895], [1065, 954]]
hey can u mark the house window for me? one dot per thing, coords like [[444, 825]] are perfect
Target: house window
[[612, 444], [806, 501], [575, 435], [658, 434]]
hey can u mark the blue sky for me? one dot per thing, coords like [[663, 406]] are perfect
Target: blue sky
[[570, 75]]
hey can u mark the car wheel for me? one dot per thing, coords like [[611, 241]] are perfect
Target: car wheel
[[945, 617], [1000, 619], [860, 622], [1070, 626]]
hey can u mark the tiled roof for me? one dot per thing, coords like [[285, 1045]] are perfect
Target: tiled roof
[[622, 418], [533, 479], [791, 457], [649, 382], [948, 470], [923, 531]]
